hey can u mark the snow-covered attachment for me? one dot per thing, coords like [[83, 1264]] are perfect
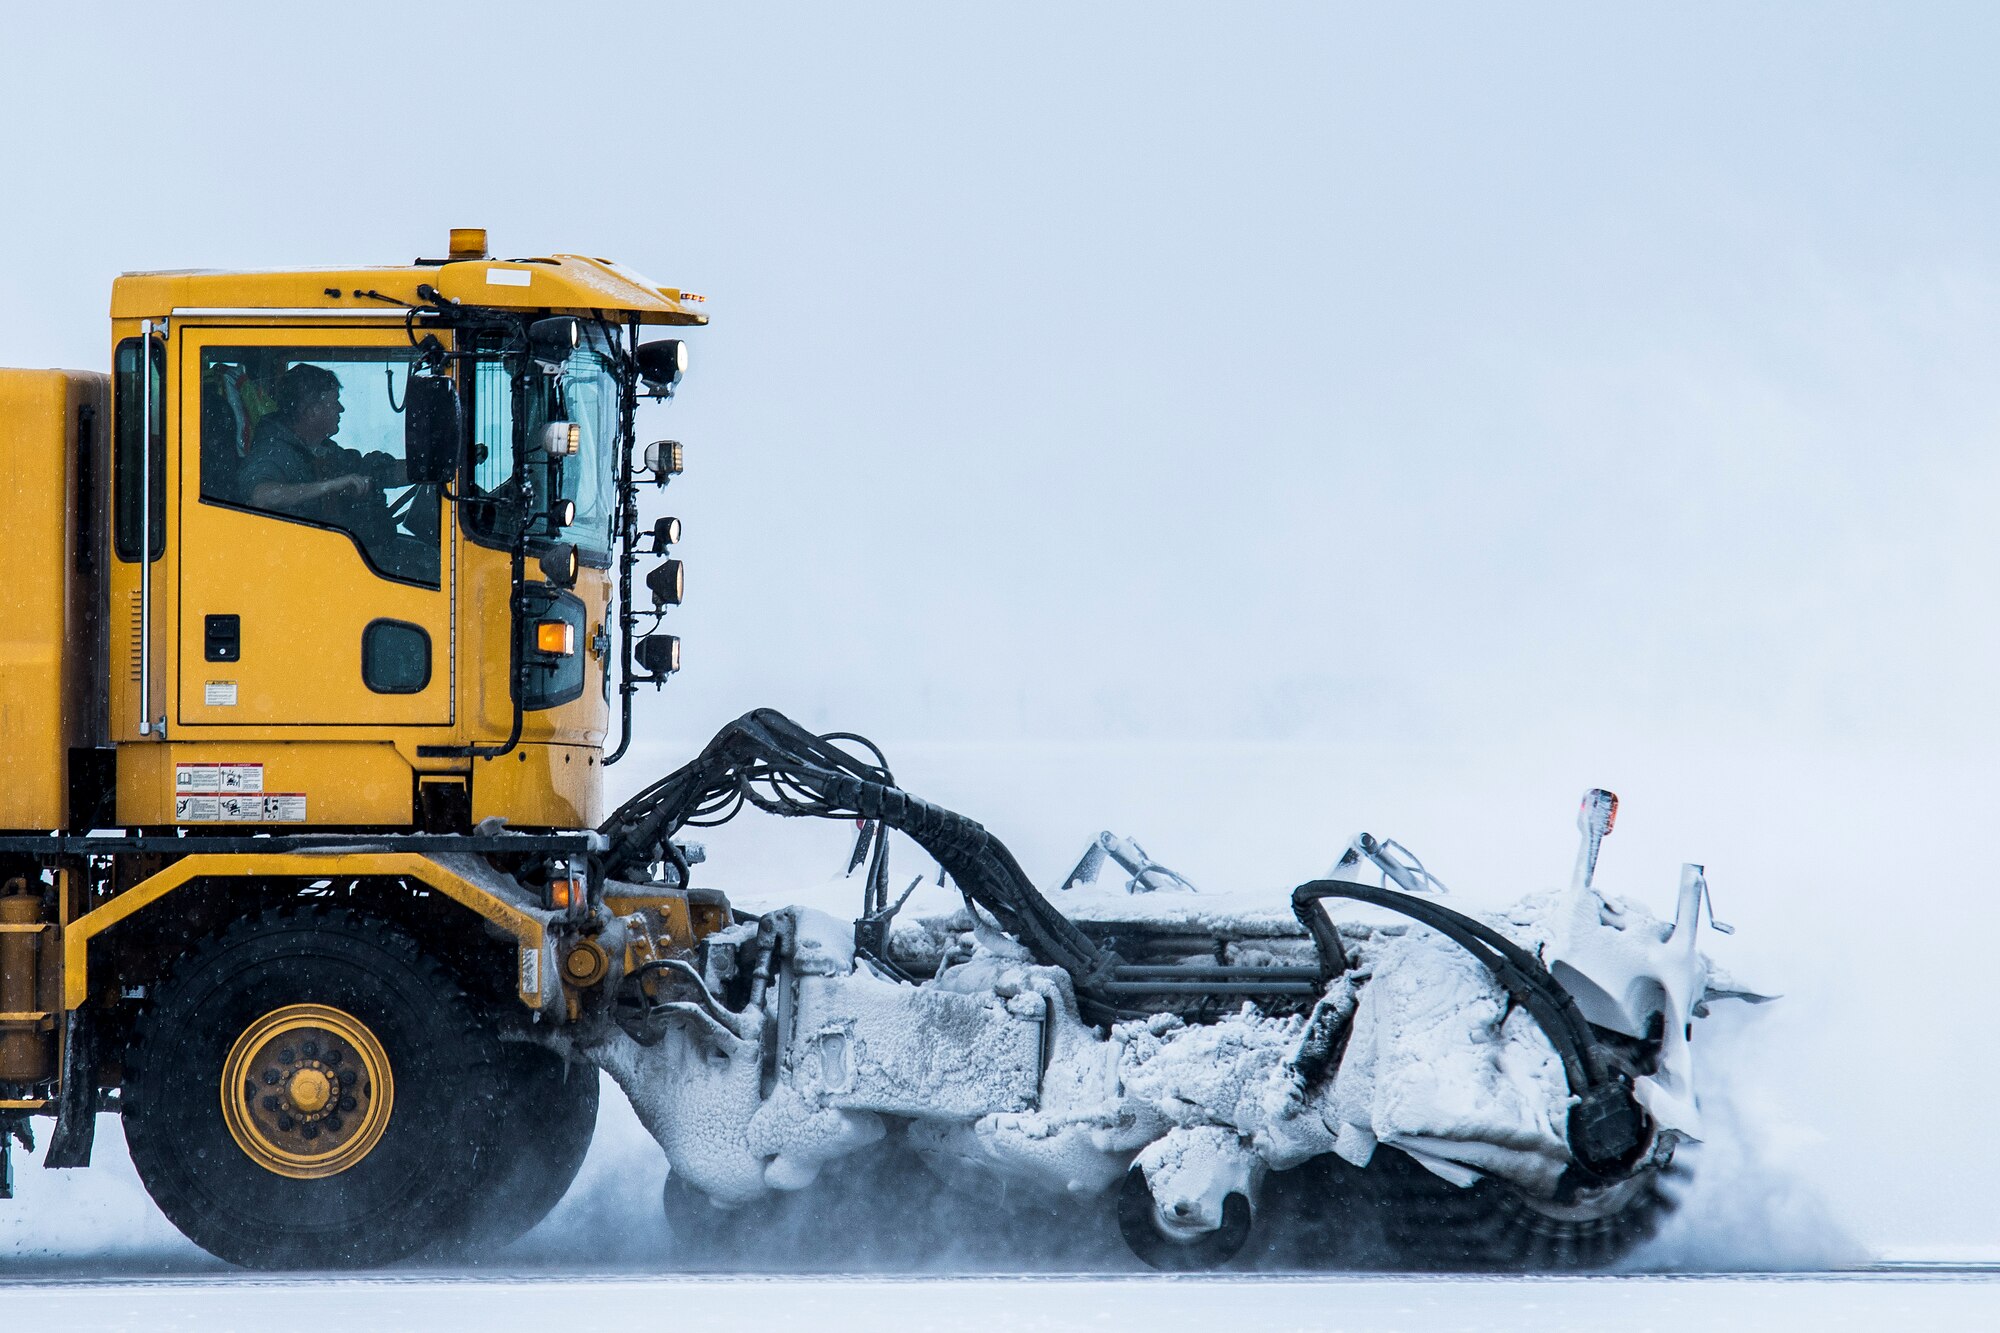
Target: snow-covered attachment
[[1528, 1072]]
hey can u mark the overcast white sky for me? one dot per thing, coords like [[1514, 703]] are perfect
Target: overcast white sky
[[1239, 425]]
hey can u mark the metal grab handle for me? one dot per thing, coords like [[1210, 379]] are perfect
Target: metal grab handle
[[145, 371]]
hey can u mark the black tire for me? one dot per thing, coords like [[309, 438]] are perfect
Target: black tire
[[1168, 1249], [700, 1234], [412, 1188], [532, 1147], [1491, 1225]]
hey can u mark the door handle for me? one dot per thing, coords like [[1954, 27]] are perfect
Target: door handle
[[222, 638]]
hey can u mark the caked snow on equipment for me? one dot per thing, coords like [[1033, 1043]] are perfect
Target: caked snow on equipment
[[1536, 1064]]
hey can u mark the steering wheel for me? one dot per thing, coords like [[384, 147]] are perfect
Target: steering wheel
[[403, 503]]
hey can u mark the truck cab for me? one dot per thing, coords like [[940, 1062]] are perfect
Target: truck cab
[[325, 630], [321, 633]]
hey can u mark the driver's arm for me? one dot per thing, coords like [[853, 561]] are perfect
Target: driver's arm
[[290, 495]]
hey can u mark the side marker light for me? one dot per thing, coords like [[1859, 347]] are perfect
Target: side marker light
[[555, 637]]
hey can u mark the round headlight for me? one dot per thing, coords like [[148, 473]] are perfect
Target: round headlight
[[668, 582], [560, 565]]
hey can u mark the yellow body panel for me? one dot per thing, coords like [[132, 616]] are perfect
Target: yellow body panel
[[541, 786], [44, 705], [525, 927], [346, 782], [559, 282]]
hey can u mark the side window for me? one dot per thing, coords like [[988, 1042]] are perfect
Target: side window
[[395, 657], [129, 465], [492, 426], [315, 435]]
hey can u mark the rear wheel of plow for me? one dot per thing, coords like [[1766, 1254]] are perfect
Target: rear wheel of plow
[[1164, 1243], [307, 1091], [1492, 1225], [705, 1234]]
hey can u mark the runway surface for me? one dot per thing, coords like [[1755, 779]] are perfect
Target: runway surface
[[87, 1250], [1904, 1296]]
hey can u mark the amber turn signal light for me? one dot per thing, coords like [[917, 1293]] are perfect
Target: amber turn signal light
[[555, 637]]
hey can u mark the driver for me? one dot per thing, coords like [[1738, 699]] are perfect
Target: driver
[[295, 468]]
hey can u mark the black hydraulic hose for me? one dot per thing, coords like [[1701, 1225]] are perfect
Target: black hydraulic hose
[[770, 761], [1519, 972], [1607, 1130], [628, 523]]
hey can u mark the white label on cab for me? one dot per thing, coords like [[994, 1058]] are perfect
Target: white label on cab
[[509, 277], [531, 971], [285, 807], [219, 693], [218, 777]]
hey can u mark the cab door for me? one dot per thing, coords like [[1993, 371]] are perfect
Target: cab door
[[315, 582]]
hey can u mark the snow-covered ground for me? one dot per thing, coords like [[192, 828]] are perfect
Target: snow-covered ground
[[1939, 1302]]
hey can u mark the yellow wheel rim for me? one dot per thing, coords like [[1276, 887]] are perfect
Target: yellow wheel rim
[[307, 1091]]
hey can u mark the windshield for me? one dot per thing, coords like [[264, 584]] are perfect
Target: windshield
[[586, 393]]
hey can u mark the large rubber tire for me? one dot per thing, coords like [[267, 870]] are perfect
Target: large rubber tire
[[1171, 1250], [532, 1147], [412, 1188], [1491, 1225]]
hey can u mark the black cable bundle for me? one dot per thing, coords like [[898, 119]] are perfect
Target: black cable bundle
[[767, 760]]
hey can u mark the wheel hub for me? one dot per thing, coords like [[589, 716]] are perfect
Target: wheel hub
[[307, 1091]]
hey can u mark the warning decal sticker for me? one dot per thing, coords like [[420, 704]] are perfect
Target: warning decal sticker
[[287, 807], [188, 809], [232, 794], [204, 778], [238, 809]]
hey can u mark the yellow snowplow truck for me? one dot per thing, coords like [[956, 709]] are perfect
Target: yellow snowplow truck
[[307, 738], [320, 630]]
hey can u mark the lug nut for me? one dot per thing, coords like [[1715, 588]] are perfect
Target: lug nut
[[285, 1122], [333, 1123], [347, 1103], [270, 1103], [285, 1056], [270, 1078], [311, 1048], [333, 1055], [311, 1130], [347, 1078]]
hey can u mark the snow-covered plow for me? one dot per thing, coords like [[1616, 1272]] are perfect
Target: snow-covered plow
[[1514, 1085]]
